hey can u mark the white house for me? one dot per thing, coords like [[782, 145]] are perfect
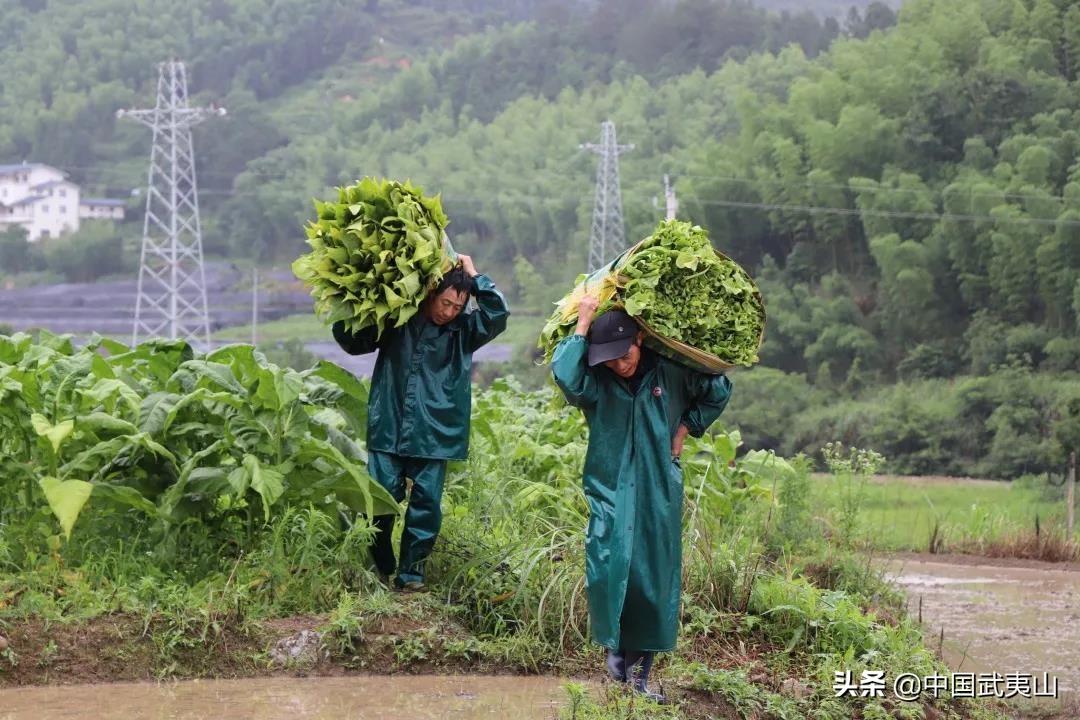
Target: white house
[[41, 199]]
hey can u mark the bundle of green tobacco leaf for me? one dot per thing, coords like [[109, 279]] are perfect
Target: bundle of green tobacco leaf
[[376, 253], [695, 304]]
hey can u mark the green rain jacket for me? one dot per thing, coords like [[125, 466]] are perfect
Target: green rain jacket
[[421, 388], [634, 489]]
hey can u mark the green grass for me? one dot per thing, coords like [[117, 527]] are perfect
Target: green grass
[[522, 330], [304, 327], [901, 513]]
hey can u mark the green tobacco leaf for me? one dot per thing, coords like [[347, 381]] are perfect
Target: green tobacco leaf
[[123, 495], [355, 399], [279, 388], [98, 460], [98, 422], [101, 368], [678, 285], [55, 434], [154, 410], [240, 481], [374, 253], [66, 499], [763, 462], [357, 490], [109, 392], [213, 375], [267, 481]]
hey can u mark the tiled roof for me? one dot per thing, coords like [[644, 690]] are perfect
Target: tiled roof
[[28, 200], [9, 169], [49, 184]]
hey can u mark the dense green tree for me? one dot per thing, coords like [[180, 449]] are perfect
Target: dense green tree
[[16, 254]]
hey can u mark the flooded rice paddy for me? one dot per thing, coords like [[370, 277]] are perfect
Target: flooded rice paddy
[[1017, 618]]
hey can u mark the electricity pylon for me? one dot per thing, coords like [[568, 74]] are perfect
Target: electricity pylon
[[607, 236], [171, 296]]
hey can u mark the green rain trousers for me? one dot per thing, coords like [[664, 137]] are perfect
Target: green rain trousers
[[419, 410], [423, 517], [634, 489]]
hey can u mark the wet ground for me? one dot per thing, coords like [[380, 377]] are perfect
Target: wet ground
[[1023, 617], [416, 697]]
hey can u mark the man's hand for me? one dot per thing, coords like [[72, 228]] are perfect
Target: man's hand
[[586, 311], [467, 265], [677, 442]]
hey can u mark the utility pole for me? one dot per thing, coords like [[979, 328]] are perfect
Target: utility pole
[[171, 296], [607, 235], [1070, 494], [671, 203], [254, 305]]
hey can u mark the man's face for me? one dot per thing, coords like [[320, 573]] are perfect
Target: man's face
[[447, 305], [626, 365]]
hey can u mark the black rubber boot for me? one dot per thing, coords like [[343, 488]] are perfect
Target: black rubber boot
[[638, 665], [616, 665], [382, 549]]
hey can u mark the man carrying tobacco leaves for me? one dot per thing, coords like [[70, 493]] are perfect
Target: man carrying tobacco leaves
[[419, 407], [640, 407]]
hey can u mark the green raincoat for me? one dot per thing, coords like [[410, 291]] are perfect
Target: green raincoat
[[421, 388], [634, 488]]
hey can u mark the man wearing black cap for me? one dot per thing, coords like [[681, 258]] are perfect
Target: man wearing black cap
[[640, 407]]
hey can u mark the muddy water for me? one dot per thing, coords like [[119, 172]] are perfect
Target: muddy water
[[369, 698], [1003, 619]]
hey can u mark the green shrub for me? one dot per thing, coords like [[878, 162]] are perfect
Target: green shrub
[[1062, 353], [767, 400], [930, 360], [1027, 342]]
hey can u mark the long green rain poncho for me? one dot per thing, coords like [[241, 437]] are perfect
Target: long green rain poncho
[[634, 488]]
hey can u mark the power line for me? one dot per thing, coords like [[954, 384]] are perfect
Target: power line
[[817, 209], [562, 201], [934, 195], [565, 200], [878, 189]]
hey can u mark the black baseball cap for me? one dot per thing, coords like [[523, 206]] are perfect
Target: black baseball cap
[[611, 336]]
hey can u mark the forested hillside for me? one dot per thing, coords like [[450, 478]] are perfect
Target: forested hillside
[[904, 187]]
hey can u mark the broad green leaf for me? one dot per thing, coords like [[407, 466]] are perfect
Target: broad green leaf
[[98, 460], [98, 421], [108, 393], [267, 481], [381, 242], [101, 368], [212, 375], [358, 491], [726, 445], [55, 434], [154, 410], [66, 499], [240, 480], [279, 388], [763, 462], [124, 496]]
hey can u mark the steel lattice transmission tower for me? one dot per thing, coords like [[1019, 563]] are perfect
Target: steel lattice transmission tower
[[171, 298], [607, 236]]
